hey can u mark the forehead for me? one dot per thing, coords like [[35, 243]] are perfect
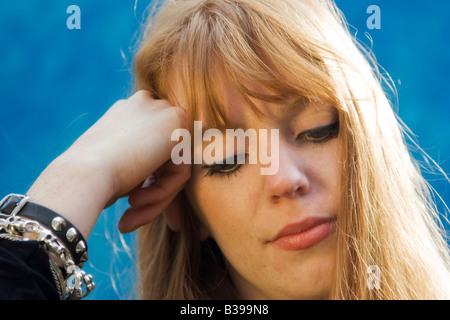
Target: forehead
[[242, 115], [223, 104]]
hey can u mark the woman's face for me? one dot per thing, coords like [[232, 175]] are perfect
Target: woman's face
[[275, 231]]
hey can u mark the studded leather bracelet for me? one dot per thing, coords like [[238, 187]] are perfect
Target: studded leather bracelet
[[20, 219], [62, 228]]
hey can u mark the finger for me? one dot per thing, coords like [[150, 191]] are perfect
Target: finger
[[170, 181], [173, 214], [150, 181], [134, 218]]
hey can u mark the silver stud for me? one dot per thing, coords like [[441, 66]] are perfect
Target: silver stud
[[81, 246], [58, 224], [84, 257], [71, 234]]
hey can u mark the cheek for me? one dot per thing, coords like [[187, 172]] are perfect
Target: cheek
[[324, 173], [331, 165], [226, 208], [217, 201]]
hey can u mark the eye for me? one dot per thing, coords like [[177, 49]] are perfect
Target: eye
[[319, 134], [227, 167]]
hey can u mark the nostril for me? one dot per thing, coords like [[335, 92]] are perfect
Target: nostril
[[288, 185], [292, 178]]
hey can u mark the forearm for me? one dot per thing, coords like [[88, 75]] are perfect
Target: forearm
[[77, 189]]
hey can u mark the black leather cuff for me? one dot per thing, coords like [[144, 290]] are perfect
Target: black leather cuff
[[62, 228]]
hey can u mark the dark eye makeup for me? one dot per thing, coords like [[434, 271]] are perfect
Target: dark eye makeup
[[316, 136], [319, 134], [227, 167]]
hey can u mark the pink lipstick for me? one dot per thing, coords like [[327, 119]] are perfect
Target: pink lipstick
[[304, 234]]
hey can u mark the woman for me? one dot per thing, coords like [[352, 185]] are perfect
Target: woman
[[346, 199]]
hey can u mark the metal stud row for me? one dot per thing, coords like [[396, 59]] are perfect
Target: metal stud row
[[58, 224]]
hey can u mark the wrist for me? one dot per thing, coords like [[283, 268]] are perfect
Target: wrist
[[76, 187], [81, 165]]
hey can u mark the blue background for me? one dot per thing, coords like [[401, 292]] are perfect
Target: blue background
[[55, 83]]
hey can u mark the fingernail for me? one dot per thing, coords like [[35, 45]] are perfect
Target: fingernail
[[150, 181]]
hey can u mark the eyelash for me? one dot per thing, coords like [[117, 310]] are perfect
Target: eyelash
[[316, 136], [320, 134], [223, 169]]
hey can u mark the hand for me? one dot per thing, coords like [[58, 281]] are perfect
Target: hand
[[148, 201], [111, 160], [132, 140]]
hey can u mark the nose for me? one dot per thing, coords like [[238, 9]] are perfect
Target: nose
[[291, 179]]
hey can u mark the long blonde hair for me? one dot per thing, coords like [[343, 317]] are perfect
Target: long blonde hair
[[292, 48]]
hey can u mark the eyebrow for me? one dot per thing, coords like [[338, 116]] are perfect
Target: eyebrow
[[223, 128], [297, 105], [228, 125], [290, 109]]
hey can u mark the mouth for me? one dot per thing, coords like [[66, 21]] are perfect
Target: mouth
[[304, 234]]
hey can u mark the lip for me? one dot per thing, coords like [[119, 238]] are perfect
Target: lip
[[304, 234]]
